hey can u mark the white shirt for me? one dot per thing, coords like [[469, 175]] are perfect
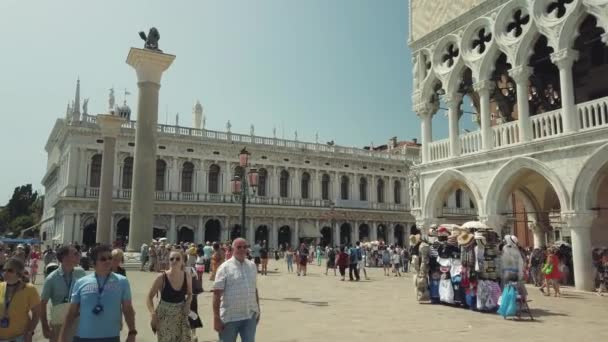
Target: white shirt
[[238, 281]]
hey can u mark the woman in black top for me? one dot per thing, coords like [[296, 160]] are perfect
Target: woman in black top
[[170, 318]]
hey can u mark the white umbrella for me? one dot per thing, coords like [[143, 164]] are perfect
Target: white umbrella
[[162, 239], [474, 225]]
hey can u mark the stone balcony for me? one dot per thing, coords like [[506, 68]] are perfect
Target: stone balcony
[[592, 115], [193, 197], [205, 134]]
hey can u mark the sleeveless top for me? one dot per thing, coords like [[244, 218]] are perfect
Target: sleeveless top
[[170, 295]]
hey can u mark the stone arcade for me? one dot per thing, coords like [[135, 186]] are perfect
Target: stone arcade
[[533, 73]]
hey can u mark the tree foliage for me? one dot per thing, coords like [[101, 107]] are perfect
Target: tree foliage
[[23, 210]]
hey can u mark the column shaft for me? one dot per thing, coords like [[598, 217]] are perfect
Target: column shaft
[[581, 258], [483, 89], [144, 168], [453, 103], [105, 192], [426, 126]]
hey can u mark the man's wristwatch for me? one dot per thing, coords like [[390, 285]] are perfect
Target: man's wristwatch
[[132, 332]]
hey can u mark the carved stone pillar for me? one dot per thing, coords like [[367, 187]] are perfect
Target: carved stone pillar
[[564, 59], [483, 89], [521, 75]]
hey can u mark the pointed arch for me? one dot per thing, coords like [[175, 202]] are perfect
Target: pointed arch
[[443, 184], [583, 196], [500, 183]]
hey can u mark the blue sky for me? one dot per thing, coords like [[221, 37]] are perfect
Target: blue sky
[[337, 67]]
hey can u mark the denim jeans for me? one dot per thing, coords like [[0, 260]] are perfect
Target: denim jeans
[[245, 328]]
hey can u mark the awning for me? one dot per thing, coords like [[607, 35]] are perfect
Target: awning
[[308, 230]]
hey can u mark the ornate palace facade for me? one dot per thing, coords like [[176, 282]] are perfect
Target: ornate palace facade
[[307, 189]]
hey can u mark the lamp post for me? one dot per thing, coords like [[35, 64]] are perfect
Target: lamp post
[[240, 187]]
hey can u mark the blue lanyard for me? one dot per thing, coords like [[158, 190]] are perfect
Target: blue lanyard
[[7, 300], [101, 287], [68, 285]]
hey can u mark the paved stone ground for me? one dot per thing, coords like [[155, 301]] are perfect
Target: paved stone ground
[[322, 308]]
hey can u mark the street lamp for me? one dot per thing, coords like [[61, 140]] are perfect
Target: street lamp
[[240, 186]]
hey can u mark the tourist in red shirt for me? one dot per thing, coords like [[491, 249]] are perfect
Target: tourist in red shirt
[[342, 262]]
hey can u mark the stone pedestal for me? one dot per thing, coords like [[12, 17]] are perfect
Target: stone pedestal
[[110, 128], [149, 66]]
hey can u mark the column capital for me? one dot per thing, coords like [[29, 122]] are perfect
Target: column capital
[[579, 220], [564, 58], [453, 100], [424, 109], [484, 86], [521, 74], [149, 65]]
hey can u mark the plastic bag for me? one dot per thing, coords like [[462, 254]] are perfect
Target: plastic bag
[[508, 303], [446, 291]]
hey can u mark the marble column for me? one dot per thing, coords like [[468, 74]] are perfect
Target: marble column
[[580, 229], [110, 128], [200, 236], [172, 231], [425, 112], [564, 59], [250, 232], [336, 234], [295, 237], [149, 66], [521, 75], [483, 89], [354, 233], [373, 234], [453, 102]]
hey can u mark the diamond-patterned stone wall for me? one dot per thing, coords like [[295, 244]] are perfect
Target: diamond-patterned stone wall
[[427, 15]]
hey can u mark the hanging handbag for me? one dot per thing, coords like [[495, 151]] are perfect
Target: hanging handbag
[[548, 269]]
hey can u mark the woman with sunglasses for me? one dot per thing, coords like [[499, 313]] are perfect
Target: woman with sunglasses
[[169, 321], [20, 303]]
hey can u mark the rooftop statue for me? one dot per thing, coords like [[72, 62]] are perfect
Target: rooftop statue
[[151, 40]]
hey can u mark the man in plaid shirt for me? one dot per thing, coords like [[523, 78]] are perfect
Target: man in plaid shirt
[[236, 305]]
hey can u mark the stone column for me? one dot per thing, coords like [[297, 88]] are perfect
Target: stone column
[[425, 112], [580, 229], [110, 128], [373, 234], [336, 193], [521, 75], [149, 66], [354, 232], [538, 231], [483, 89], [295, 238], [273, 234], [250, 232], [564, 59], [172, 231], [453, 102], [200, 236], [336, 234]]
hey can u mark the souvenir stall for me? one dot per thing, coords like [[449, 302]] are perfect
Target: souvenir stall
[[460, 266]]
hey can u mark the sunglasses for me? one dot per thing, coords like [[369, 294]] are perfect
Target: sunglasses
[[9, 270], [242, 247], [175, 259]]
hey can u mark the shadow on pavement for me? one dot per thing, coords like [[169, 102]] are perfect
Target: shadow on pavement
[[297, 300]]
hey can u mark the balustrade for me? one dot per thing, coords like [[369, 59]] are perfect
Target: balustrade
[[440, 149], [593, 114], [506, 134], [470, 142], [248, 139], [547, 125]]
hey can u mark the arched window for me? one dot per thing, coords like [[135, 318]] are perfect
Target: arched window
[[380, 190], [305, 185], [127, 173], [363, 189], [344, 184], [458, 198], [95, 174], [214, 179], [161, 168], [397, 192], [262, 176], [187, 177], [284, 184], [325, 187]]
